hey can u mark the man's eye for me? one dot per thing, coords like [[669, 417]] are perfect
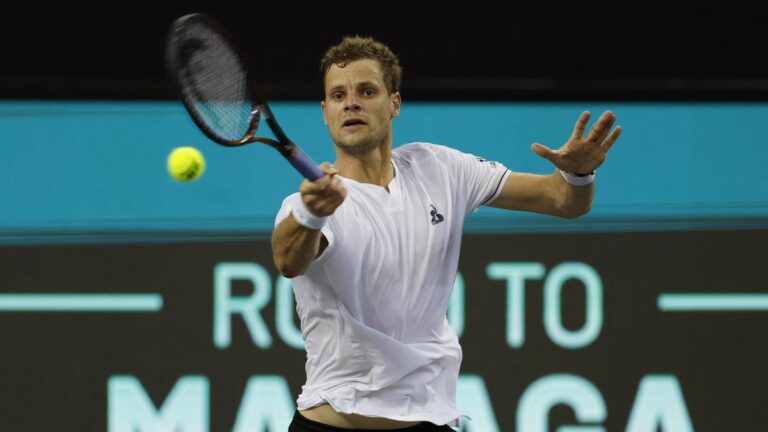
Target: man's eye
[[368, 92], [337, 96]]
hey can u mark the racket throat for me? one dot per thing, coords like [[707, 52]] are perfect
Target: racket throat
[[260, 111]]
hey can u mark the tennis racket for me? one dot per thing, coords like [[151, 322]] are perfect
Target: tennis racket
[[219, 92]]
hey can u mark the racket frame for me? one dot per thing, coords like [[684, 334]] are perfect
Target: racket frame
[[177, 67]]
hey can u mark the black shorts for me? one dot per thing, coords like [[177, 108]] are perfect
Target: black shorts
[[303, 424]]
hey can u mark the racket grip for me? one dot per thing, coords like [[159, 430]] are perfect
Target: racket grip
[[306, 166]]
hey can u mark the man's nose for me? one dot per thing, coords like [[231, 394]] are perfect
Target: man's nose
[[351, 102]]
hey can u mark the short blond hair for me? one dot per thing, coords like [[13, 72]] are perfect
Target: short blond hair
[[353, 48]]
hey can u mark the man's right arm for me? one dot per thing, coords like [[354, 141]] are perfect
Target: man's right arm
[[295, 245]]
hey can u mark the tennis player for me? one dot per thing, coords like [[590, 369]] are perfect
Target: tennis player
[[373, 247]]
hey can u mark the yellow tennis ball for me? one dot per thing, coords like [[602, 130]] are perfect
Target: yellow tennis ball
[[186, 164]]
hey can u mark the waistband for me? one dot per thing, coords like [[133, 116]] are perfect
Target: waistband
[[303, 424]]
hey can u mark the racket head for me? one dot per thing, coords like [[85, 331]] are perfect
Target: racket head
[[211, 74]]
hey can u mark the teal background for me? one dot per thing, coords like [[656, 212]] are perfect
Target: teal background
[[72, 168]]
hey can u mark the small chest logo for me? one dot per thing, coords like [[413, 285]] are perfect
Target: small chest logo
[[436, 217]]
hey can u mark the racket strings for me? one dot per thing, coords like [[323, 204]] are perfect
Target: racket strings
[[216, 83]]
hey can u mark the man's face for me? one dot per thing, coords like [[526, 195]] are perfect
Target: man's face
[[357, 108]]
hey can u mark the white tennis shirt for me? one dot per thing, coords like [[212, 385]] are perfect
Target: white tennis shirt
[[373, 305]]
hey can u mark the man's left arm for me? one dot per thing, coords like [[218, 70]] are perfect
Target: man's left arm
[[568, 191]]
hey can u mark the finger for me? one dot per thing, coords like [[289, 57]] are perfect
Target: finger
[[581, 124], [320, 208], [600, 129], [325, 206], [313, 192], [328, 169], [544, 152], [333, 204], [335, 190], [612, 139], [317, 205], [315, 187], [321, 184], [340, 189]]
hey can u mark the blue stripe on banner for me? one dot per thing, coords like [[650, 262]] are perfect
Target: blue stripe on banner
[[81, 302], [690, 302], [78, 189]]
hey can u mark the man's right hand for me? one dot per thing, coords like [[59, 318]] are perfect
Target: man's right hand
[[323, 196]]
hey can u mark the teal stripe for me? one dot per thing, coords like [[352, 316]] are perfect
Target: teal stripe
[[94, 195], [81, 302], [713, 302]]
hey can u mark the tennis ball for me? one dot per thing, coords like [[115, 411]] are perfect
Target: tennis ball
[[186, 164]]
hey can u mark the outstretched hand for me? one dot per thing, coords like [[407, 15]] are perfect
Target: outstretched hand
[[583, 155]]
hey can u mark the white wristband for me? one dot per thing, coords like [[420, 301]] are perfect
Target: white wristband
[[578, 180], [307, 219]]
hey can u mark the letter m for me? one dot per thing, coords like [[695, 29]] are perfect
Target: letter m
[[185, 409]]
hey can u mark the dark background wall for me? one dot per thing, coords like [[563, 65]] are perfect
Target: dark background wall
[[450, 50], [63, 364]]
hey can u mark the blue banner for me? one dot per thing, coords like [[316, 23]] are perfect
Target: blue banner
[[101, 166]]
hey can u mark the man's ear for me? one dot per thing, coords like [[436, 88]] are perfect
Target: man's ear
[[396, 100], [322, 106]]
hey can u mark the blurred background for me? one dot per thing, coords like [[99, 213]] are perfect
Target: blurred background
[[471, 50], [129, 301]]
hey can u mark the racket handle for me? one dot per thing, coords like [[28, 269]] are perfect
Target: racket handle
[[306, 166]]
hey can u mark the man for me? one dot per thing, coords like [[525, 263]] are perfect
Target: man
[[373, 248]]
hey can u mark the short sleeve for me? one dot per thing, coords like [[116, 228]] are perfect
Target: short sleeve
[[285, 209], [479, 181]]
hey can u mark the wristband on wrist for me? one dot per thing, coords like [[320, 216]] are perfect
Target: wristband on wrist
[[578, 179], [307, 219]]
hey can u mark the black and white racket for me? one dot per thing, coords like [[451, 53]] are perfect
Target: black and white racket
[[219, 92]]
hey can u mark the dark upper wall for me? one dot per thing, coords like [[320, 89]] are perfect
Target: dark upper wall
[[482, 50]]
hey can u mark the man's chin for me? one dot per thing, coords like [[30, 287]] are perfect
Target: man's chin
[[355, 146]]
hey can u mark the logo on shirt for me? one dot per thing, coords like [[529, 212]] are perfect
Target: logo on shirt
[[436, 217], [491, 163]]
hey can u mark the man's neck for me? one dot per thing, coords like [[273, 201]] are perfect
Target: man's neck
[[374, 167]]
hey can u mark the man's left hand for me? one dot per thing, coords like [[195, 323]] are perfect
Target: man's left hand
[[583, 155]]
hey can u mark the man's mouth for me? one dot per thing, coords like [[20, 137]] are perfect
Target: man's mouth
[[353, 122]]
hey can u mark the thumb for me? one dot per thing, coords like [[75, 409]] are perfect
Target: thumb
[[328, 169], [543, 151]]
